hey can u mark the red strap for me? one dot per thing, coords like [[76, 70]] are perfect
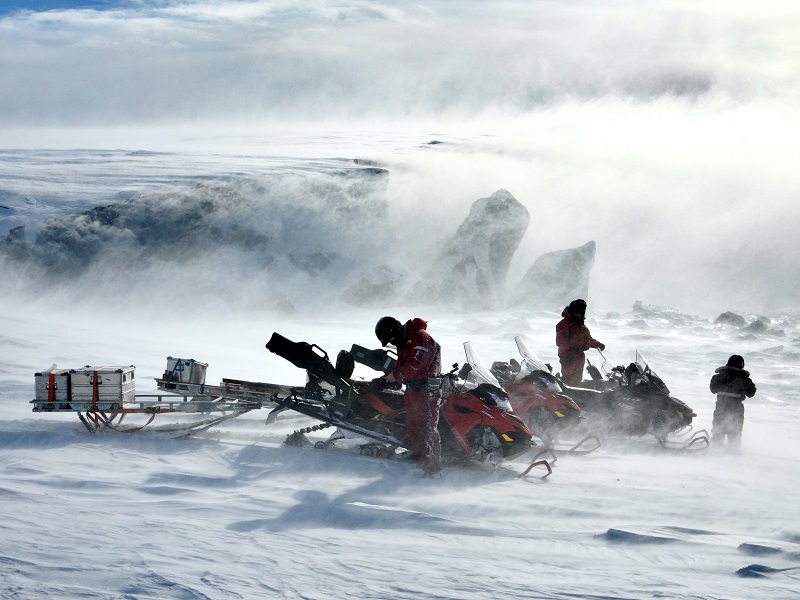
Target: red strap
[[95, 391], [51, 383]]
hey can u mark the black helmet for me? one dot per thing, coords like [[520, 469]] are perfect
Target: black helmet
[[388, 330], [577, 307], [735, 361]]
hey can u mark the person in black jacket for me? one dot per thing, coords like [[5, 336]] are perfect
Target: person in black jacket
[[731, 384]]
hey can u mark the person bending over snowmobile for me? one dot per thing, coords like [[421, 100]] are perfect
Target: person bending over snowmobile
[[731, 384], [573, 339], [419, 366]]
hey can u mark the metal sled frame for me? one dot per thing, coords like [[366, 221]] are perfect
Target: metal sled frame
[[231, 399], [96, 419]]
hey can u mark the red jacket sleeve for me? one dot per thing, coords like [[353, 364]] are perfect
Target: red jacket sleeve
[[591, 342], [416, 358], [571, 337]]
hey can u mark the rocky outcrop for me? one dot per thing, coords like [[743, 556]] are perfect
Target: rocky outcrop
[[473, 264], [642, 312], [557, 278], [730, 318], [757, 325], [276, 226], [308, 237], [471, 269]]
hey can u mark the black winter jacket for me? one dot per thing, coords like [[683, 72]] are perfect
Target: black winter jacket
[[733, 382]]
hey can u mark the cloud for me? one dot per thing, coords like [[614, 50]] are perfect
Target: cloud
[[161, 61]]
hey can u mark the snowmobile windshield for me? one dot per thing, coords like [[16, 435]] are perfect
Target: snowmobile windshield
[[479, 372], [649, 374], [531, 361], [533, 366], [481, 377]]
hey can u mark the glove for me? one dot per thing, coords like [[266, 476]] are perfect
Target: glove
[[381, 383], [601, 346]]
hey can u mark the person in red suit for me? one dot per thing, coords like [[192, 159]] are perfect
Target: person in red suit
[[419, 366], [573, 340]]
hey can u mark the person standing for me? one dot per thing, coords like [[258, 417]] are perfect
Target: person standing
[[419, 367], [573, 340], [732, 384]]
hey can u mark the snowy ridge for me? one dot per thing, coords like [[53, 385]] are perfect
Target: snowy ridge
[[234, 232]]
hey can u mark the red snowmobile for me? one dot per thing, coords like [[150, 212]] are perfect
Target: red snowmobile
[[536, 395], [629, 401], [477, 423]]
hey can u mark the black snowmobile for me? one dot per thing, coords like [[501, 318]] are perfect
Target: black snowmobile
[[476, 424], [629, 401]]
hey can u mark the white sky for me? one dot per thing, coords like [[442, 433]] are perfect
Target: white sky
[[232, 60], [666, 131]]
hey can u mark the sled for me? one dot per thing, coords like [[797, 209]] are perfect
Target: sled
[[98, 410], [96, 419]]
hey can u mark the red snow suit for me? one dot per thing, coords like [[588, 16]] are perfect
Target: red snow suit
[[573, 339], [418, 359]]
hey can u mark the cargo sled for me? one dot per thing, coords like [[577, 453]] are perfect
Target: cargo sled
[[103, 396]]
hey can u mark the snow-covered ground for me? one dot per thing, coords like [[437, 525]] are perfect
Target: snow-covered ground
[[234, 513]]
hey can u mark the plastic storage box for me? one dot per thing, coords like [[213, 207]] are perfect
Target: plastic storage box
[[100, 387]]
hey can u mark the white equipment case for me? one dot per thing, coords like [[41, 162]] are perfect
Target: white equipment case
[[101, 388], [185, 370], [52, 386]]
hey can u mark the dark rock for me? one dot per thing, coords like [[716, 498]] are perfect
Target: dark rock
[[757, 326], [14, 244], [729, 318]]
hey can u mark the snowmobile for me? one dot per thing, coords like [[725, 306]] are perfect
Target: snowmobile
[[477, 423], [536, 395], [630, 401]]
